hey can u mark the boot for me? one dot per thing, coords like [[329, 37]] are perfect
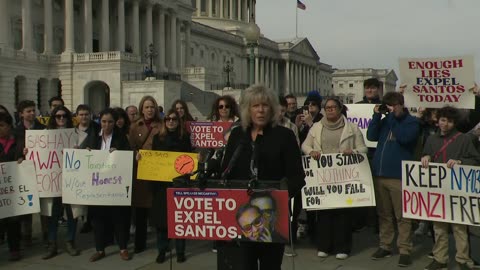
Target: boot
[[70, 248], [51, 251]]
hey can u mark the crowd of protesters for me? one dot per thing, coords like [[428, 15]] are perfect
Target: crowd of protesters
[[272, 134]]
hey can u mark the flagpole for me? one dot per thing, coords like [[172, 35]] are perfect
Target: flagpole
[[296, 20]]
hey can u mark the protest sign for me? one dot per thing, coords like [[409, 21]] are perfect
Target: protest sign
[[45, 149], [97, 177], [164, 165], [225, 214], [337, 181], [208, 134], [438, 193], [436, 82], [18, 190], [44, 120], [361, 115]]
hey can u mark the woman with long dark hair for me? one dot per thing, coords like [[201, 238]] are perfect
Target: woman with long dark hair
[[10, 150], [172, 137], [224, 109], [182, 109], [60, 118], [110, 138]]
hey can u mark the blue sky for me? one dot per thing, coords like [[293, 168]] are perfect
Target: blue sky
[[376, 33]]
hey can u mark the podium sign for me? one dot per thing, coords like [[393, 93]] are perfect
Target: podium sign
[[227, 214]]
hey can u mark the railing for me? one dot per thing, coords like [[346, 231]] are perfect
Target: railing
[[141, 76], [194, 70], [105, 56], [232, 85]]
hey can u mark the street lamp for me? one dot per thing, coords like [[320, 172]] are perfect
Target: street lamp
[[252, 34], [150, 54], [228, 69]]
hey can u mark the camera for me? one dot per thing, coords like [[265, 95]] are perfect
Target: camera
[[383, 109], [301, 110]]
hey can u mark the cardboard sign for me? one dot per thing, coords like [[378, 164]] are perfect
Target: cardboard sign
[[225, 214], [436, 82], [208, 134], [45, 149], [337, 181], [164, 165], [18, 190], [361, 115], [438, 193], [97, 177]]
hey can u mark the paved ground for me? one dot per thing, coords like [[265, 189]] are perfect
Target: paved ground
[[199, 256]]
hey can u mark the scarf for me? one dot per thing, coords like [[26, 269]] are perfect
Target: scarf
[[7, 144], [340, 123]]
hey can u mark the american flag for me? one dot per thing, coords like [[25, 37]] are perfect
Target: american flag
[[301, 5]]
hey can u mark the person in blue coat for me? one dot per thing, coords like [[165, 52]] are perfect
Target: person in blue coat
[[397, 134]]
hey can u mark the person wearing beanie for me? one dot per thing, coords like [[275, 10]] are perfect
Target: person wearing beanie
[[311, 114]]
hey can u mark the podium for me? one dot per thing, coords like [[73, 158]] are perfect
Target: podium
[[232, 212]]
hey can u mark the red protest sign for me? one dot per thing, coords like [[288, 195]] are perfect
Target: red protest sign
[[208, 134], [226, 214]]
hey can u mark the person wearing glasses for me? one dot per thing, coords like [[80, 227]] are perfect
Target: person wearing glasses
[[268, 153], [224, 109], [252, 224], [60, 118], [172, 137], [333, 134]]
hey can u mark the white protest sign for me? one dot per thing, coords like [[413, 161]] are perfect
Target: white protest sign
[[436, 82], [438, 193], [18, 191], [97, 177], [361, 115], [45, 149], [337, 181]]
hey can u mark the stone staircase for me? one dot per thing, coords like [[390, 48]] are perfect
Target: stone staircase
[[199, 102]]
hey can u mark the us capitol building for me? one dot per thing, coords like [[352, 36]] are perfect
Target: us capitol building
[[99, 52]]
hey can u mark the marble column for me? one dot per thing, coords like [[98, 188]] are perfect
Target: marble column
[[135, 28], [257, 70], [162, 40], [105, 42], [69, 27], [148, 25], [187, 43], [121, 25], [199, 8], [87, 26], [210, 8], [239, 10], [287, 77], [173, 42], [221, 9], [4, 22], [230, 6], [179, 47], [48, 26], [27, 34]]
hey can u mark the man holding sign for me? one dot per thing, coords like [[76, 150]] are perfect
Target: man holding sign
[[451, 147]]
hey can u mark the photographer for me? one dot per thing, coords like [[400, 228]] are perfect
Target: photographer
[[311, 114], [397, 135]]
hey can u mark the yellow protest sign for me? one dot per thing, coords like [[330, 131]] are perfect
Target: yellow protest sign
[[44, 120], [164, 166]]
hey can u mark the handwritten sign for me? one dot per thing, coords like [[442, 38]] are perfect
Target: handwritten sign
[[164, 165], [208, 134], [225, 214], [441, 194], [18, 191], [436, 82], [45, 149], [97, 177], [337, 181], [361, 115]]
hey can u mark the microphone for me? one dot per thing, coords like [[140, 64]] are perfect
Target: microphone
[[233, 160]]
